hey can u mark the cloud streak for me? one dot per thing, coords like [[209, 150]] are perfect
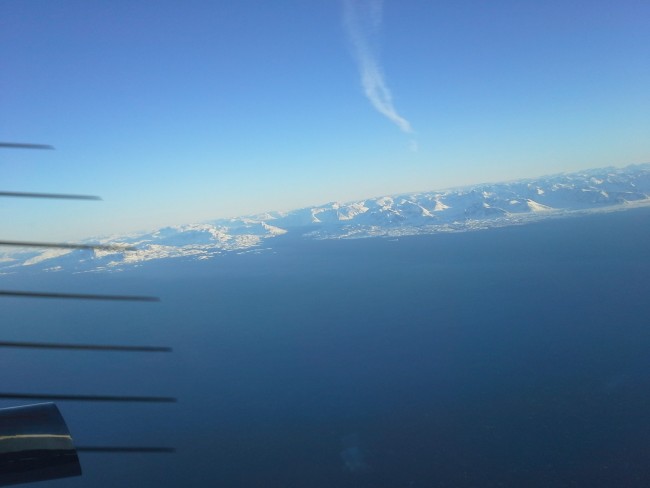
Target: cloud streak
[[362, 19]]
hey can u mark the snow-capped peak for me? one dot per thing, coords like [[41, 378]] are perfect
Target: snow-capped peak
[[458, 209]]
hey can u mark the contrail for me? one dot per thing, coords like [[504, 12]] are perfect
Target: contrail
[[362, 20]]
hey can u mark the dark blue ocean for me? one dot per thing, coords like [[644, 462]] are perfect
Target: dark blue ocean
[[511, 357]]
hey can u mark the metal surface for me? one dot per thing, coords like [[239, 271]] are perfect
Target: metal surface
[[67, 245], [76, 296], [35, 445], [83, 347], [126, 450], [86, 398], [56, 196], [24, 145]]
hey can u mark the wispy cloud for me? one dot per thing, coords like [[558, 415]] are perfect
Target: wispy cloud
[[362, 20]]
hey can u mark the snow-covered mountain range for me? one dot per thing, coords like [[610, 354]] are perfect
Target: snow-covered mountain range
[[452, 210]]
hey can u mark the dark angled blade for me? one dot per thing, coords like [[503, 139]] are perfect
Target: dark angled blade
[[83, 347], [35, 445], [61, 196], [77, 296], [63, 245], [86, 398], [21, 145], [117, 449]]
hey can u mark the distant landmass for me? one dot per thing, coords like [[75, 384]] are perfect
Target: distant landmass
[[452, 210]]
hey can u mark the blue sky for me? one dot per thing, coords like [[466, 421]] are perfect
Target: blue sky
[[177, 112]]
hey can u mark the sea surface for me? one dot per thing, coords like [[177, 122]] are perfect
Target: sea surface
[[510, 357]]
